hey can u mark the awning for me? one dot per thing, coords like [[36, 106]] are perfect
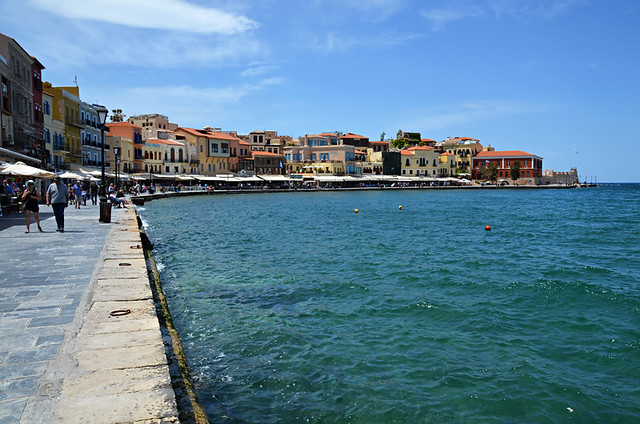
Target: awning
[[328, 178], [23, 170], [274, 178], [17, 155]]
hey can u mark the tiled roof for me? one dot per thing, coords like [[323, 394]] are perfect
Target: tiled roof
[[503, 153], [420, 148], [122, 124], [447, 154], [379, 142], [208, 134], [259, 153], [407, 153], [159, 141], [352, 135]]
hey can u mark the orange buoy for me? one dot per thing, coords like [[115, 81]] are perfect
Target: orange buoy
[[487, 227], [400, 207], [356, 211]]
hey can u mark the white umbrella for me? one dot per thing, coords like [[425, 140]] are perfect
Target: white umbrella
[[23, 170], [72, 175]]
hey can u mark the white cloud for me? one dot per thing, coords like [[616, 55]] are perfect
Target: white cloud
[[522, 9], [258, 70], [441, 17], [537, 9], [177, 15]]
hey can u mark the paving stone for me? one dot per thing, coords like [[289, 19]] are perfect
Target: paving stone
[[11, 410], [11, 389], [9, 323], [51, 321], [17, 371], [40, 353], [49, 340]]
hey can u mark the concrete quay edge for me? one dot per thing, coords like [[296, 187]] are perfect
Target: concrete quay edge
[[114, 363]]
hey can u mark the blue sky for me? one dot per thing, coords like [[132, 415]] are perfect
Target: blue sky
[[556, 78]]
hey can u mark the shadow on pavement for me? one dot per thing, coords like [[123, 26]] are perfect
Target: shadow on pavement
[[10, 220]]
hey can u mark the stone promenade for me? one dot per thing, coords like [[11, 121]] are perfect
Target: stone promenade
[[80, 336]]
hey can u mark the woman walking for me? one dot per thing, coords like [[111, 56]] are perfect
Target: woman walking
[[30, 198]]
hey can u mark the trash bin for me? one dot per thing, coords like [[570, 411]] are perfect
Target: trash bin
[[105, 211]]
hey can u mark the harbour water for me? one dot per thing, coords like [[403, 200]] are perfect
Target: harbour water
[[292, 308]]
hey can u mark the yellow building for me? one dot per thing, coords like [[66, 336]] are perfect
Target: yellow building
[[322, 168], [420, 161], [448, 165], [153, 156], [127, 153], [212, 148], [464, 148], [66, 108]]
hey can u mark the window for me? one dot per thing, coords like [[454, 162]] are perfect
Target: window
[[224, 147], [214, 148]]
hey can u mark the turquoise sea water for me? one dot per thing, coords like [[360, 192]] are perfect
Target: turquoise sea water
[[292, 308]]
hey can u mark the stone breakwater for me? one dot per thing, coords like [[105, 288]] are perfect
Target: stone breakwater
[[112, 366]]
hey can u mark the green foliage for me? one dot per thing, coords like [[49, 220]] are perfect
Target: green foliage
[[382, 135], [515, 170], [117, 116], [492, 171], [414, 138], [399, 143]]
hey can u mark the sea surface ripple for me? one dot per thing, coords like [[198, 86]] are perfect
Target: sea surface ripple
[[292, 308]]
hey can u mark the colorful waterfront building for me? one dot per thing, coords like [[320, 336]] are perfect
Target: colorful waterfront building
[[175, 158], [448, 165], [66, 108], [90, 136], [129, 133], [154, 125], [240, 157], [53, 134], [268, 163], [334, 159], [127, 154], [356, 140], [21, 117], [212, 148], [420, 161], [464, 148], [530, 165]]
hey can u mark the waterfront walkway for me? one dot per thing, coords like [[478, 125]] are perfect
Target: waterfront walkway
[[64, 357]]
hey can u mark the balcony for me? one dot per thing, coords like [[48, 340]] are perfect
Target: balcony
[[75, 122]]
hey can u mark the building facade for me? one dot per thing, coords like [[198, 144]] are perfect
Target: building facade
[[91, 136], [420, 161], [130, 133], [53, 134], [22, 122], [530, 165]]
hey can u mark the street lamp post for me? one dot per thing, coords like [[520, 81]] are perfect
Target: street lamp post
[[116, 153], [105, 208]]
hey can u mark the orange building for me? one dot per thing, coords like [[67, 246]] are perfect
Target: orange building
[[530, 165]]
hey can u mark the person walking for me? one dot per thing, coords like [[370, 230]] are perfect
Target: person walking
[[58, 199], [30, 198], [93, 192], [77, 194]]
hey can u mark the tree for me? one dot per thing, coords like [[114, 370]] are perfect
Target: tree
[[117, 116], [382, 135], [399, 143], [515, 171], [492, 171]]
